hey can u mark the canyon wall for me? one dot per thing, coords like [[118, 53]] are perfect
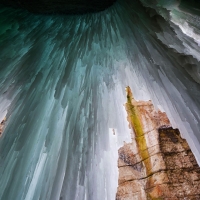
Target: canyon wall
[[2, 124], [158, 163], [60, 6]]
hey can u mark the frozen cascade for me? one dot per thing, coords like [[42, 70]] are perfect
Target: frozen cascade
[[62, 85]]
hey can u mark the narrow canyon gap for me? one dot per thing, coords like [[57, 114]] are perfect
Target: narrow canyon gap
[[62, 91]]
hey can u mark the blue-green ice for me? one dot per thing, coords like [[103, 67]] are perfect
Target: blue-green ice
[[62, 90]]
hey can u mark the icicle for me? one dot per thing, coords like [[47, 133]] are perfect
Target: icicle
[[62, 81]]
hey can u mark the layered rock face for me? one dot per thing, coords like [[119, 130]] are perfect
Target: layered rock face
[[60, 6], [158, 163], [2, 124]]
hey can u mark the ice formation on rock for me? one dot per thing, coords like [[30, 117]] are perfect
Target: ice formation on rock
[[62, 85]]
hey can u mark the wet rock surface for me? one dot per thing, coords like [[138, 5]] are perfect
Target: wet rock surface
[[158, 163], [60, 6]]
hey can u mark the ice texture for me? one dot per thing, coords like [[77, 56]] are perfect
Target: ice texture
[[62, 89]]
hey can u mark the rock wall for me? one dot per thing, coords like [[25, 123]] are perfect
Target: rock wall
[[60, 6], [2, 124], [158, 163]]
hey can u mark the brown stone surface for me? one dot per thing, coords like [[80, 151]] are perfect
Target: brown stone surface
[[2, 124], [158, 163]]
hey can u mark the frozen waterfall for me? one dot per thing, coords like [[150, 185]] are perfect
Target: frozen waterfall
[[62, 89]]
